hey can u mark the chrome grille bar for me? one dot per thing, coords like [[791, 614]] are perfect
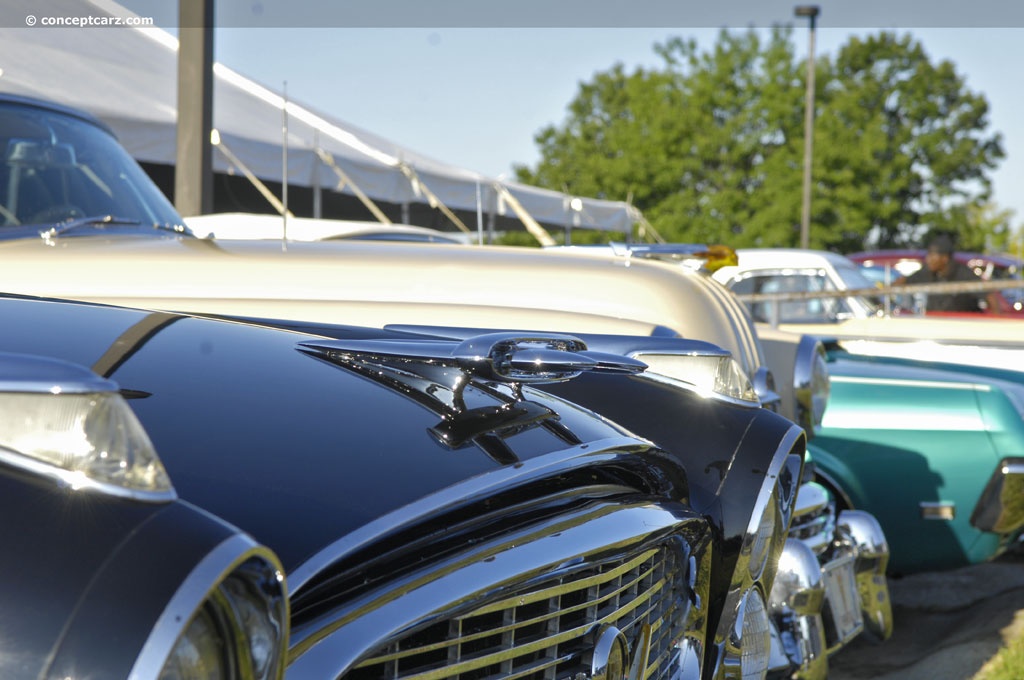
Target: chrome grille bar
[[541, 632]]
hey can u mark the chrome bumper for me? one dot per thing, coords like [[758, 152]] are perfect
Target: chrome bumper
[[1001, 506], [830, 588]]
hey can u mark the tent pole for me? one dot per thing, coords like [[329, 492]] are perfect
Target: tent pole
[[284, 164], [193, 167], [479, 215], [317, 191]]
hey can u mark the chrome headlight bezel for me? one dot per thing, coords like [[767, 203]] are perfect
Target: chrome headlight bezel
[[239, 589], [757, 563], [811, 383], [711, 372], [60, 420]]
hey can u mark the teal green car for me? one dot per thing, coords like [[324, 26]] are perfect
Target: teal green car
[[934, 451]]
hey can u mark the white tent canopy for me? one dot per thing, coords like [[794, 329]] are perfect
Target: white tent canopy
[[127, 77]]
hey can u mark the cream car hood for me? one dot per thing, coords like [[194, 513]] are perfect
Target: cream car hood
[[376, 283]]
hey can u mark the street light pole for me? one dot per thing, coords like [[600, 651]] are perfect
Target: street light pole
[[811, 12]]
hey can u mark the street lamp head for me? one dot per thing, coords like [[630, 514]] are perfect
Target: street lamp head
[[807, 11]]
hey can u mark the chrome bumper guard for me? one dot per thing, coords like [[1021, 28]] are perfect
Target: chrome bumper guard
[[829, 589], [1001, 506]]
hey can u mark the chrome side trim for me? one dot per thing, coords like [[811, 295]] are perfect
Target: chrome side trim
[[999, 509], [938, 510], [552, 464], [218, 564]]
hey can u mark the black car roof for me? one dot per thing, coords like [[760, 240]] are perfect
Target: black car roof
[[21, 100]]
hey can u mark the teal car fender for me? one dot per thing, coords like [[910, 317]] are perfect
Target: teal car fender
[[917, 444]]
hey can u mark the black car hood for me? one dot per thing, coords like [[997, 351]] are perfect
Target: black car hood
[[293, 449]]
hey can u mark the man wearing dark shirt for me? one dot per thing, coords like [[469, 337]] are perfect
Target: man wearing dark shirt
[[941, 267]]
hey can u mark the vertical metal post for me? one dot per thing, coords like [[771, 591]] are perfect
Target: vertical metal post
[[193, 170], [479, 215], [317, 191], [811, 12], [284, 163]]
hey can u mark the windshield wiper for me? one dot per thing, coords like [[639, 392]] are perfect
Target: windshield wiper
[[100, 222]]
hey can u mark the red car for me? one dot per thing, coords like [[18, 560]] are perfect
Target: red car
[[885, 266]]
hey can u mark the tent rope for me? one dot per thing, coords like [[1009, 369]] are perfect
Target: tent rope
[[435, 202], [260, 186], [328, 160], [531, 224]]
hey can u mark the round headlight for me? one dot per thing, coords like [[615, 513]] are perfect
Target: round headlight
[[262, 628], [201, 651], [756, 637], [229, 619]]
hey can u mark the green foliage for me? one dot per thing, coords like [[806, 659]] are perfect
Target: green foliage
[[578, 237], [710, 145], [1008, 664]]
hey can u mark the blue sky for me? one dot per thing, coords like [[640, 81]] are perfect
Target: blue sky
[[474, 95]]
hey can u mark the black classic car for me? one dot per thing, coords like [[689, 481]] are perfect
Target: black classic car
[[198, 498], [363, 515]]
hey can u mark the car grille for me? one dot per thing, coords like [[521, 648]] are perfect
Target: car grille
[[814, 529], [547, 630], [815, 525]]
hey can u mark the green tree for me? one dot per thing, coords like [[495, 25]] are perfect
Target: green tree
[[710, 145], [985, 227], [901, 146]]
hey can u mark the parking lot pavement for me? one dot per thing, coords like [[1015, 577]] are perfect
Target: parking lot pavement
[[947, 625]]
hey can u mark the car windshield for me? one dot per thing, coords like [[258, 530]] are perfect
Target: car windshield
[[853, 278], [57, 168]]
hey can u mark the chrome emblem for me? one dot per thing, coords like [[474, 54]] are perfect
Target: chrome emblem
[[611, 660]]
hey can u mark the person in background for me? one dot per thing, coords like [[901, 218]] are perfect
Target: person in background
[[941, 267]]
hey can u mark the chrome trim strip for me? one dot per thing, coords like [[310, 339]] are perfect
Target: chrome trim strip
[[77, 481], [193, 591], [738, 589], [905, 382], [559, 544], [550, 464], [782, 452], [938, 510], [34, 374]]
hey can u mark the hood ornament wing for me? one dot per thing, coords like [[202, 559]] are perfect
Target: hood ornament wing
[[436, 372]]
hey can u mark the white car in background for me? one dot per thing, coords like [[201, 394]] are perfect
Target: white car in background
[[859, 321]]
